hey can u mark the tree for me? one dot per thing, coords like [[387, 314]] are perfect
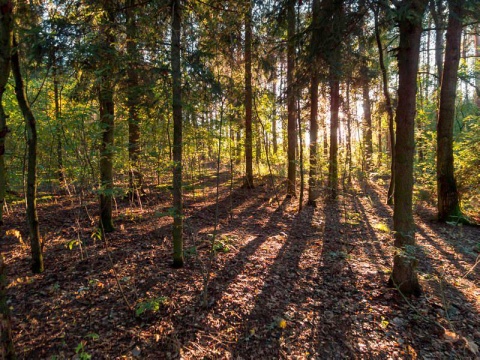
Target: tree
[[133, 98], [448, 201], [388, 103], [409, 17], [291, 120], [31, 134], [107, 115], [248, 183], [177, 135], [6, 37], [314, 81]]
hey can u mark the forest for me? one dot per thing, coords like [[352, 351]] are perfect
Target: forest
[[254, 179]]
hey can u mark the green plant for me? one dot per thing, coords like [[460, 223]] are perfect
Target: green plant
[[152, 305]]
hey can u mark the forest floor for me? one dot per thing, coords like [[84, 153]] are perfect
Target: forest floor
[[282, 284]]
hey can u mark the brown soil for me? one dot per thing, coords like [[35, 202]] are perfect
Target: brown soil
[[283, 284]]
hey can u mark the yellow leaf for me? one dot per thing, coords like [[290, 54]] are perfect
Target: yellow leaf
[[282, 323]]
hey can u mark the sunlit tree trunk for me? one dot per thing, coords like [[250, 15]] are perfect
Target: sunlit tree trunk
[[31, 134], [178, 259], [367, 112], [107, 116], [448, 202], [6, 37], [133, 99], [248, 182], [291, 126], [404, 275], [388, 102]]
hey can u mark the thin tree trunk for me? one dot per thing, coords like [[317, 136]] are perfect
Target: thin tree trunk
[[274, 114], [58, 121], [6, 36], [32, 218], [291, 126], [404, 275], [312, 178], [334, 109], [367, 112], [248, 182], [388, 102], [133, 98], [448, 202], [477, 67], [437, 10], [178, 259]]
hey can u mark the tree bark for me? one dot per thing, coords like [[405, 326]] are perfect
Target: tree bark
[[404, 275], [367, 112], [314, 82], [107, 117], [31, 131], [334, 109], [6, 37], [448, 202], [291, 123], [133, 99], [248, 182], [178, 260], [388, 102], [437, 10]]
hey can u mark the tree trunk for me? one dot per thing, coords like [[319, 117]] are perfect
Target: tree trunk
[[31, 130], [58, 121], [448, 202], [248, 182], [367, 112], [334, 109], [133, 98], [404, 275], [437, 10], [6, 37], [107, 116], [178, 259], [274, 115], [388, 102], [477, 67], [312, 177], [291, 126], [7, 350]]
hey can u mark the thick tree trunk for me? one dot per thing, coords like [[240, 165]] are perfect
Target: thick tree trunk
[[448, 202], [178, 259], [133, 99], [31, 131], [6, 37], [404, 275], [107, 117], [248, 182], [388, 102], [291, 125], [7, 350]]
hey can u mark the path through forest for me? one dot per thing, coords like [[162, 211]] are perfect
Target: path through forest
[[309, 285]]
